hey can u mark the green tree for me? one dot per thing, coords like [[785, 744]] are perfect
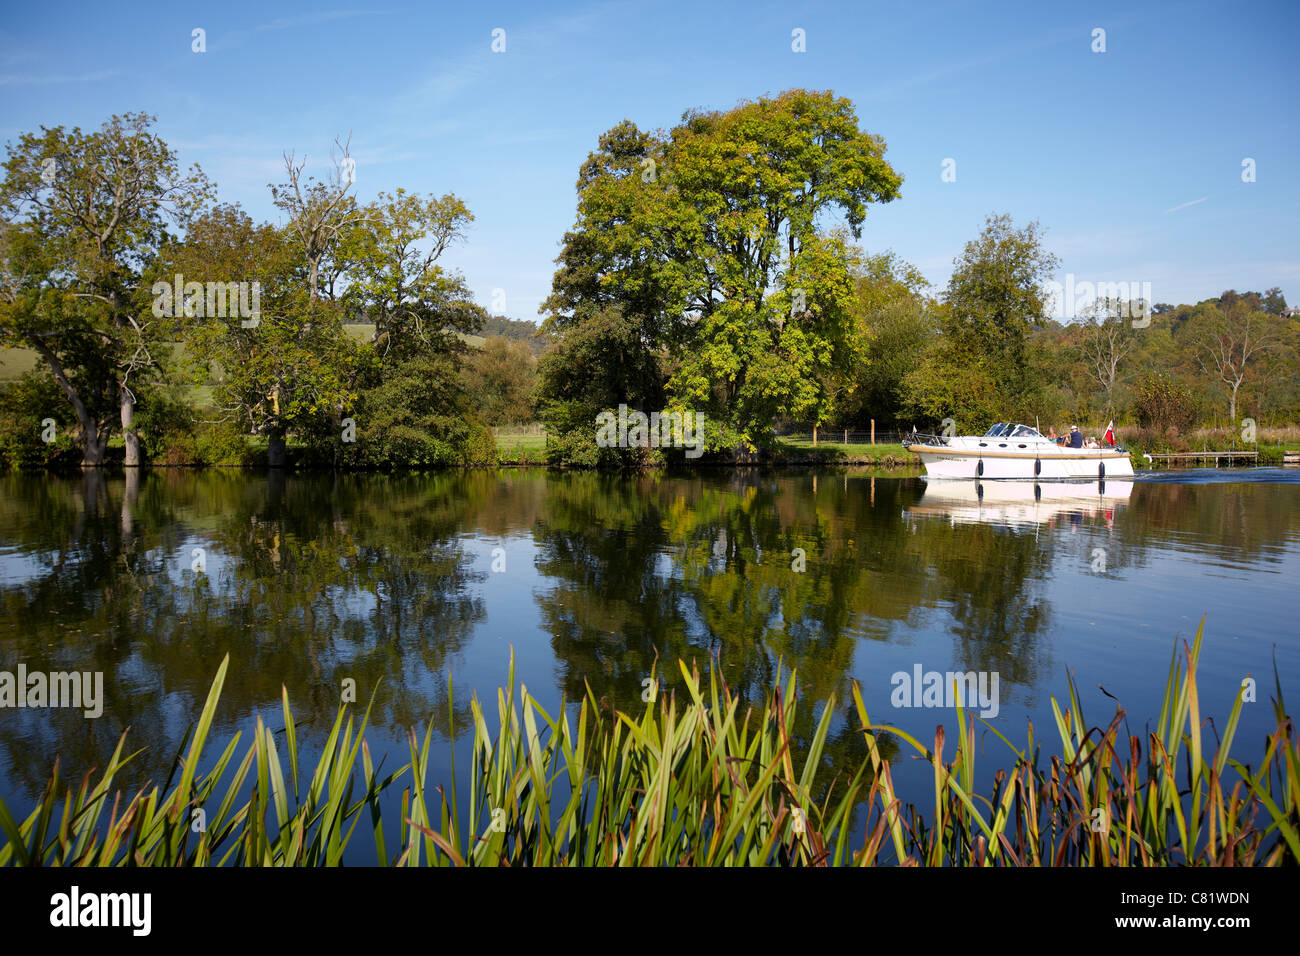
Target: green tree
[[289, 368], [1274, 302], [390, 259], [1230, 343], [501, 376], [1163, 403], [701, 267], [897, 319], [83, 217], [415, 409], [980, 367]]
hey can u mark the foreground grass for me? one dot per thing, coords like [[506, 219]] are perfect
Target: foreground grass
[[694, 782]]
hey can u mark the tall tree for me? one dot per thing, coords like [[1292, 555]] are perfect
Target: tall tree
[[291, 368], [319, 212], [979, 367], [84, 215], [1230, 341], [415, 406], [1106, 341], [996, 294], [395, 281], [897, 319], [706, 257]]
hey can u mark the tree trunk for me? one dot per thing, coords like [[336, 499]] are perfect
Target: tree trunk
[[1232, 407], [126, 402], [93, 441], [94, 445], [276, 455]]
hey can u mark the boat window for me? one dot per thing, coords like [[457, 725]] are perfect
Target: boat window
[[1024, 431], [996, 430]]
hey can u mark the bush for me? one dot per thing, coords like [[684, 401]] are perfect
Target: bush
[[166, 425], [418, 417], [1162, 404], [27, 407], [222, 444]]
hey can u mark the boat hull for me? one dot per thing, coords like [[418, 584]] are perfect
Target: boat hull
[[1052, 464]]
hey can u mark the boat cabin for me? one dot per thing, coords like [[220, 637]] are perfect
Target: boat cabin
[[1011, 430]]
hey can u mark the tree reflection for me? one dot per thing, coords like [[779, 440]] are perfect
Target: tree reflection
[[308, 581]]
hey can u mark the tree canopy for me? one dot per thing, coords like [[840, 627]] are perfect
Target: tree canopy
[[711, 268]]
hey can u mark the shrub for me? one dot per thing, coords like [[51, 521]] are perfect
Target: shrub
[[1162, 403], [26, 407], [419, 416]]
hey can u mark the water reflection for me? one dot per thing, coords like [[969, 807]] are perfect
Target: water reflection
[[1019, 505], [307, 581]]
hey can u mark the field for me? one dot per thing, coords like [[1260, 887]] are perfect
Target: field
[[14, 363], [521, 446]]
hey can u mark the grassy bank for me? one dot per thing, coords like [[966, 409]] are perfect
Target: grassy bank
[[694, 781], [528, 447], [802, 451]]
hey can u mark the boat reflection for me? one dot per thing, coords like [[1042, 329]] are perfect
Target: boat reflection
[[1021, 504]]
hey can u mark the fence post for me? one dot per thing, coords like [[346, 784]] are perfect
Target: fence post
[[814, 440], [846, 436], [873, 431]]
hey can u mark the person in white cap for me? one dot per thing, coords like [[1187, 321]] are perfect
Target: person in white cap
[[1076, 437]]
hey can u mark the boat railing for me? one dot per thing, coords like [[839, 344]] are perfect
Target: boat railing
[[924, 438]]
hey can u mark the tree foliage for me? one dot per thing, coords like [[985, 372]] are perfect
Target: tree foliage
[[84, 215], [701, 273]]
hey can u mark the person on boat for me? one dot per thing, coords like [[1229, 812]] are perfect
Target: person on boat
[[1051, 433], [1076, 437]]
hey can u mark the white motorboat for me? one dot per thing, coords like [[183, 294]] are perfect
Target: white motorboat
[[1009, 450]]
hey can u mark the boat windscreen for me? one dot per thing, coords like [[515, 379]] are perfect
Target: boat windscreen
[[1024, 431], [996, 430]]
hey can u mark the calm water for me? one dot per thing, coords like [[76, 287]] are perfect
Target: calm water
[[311, 580]]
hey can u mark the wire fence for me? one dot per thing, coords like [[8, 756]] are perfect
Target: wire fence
[[844, 436]]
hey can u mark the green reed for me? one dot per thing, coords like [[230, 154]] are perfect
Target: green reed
[[694, 782]]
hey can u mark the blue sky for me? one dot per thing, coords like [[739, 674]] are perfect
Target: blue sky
[[1131, 158]]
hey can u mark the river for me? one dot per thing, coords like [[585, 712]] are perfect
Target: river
[[419, 584]]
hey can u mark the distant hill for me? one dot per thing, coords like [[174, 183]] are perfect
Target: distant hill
[[521, 330]]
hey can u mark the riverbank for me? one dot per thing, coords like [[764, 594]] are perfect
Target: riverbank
[[526, 448], [530, 449]]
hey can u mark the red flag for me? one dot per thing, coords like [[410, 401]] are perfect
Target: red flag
[[1109, 437]]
